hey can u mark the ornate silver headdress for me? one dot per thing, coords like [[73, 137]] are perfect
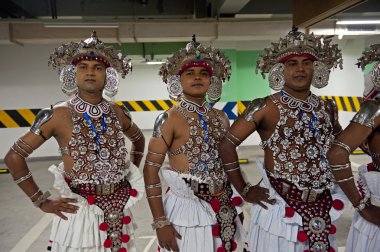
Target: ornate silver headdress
[[196, 54], [372, 79], [65, 57], [295, 43]]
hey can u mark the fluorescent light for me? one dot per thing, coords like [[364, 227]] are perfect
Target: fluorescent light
[[154, 62], [357, 22], [80, 25]]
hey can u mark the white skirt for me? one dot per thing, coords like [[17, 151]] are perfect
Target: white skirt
[[192, 217], [81, 233], [365, 236], [271, 231]]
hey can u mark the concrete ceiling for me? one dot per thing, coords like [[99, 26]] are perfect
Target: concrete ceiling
[[122, 21]]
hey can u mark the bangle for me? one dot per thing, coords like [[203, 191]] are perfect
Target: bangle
[[339, 167], [41, 199], [31, 197], [154, 196], [362, 203], [160, 223], [18, 181], [246, 189], [346, 179], [233, 169], [152, 186]]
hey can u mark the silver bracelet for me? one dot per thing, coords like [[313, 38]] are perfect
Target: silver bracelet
[[41, 199], [362, 203], [346, 179], [235, 162], [156, 154], [154, 164], [18, 181], [160, 223], [343, 145], [31, 197], [231, 170], [339, 167], [151, 186], [154, 196], [137, 153], [246, 189]]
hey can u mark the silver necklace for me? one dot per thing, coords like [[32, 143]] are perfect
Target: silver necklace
[[94, 111], [193, 107]]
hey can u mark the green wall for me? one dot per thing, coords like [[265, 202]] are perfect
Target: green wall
[[244, 84]]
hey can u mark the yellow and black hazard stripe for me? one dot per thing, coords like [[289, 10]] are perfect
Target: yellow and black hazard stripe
[[344, 103], [146, 105], [15, 118]]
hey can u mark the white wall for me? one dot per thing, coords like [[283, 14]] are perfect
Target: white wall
[[27, 82]]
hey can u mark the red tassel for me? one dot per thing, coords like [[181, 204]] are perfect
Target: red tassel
[[91, 199], [337, 204], [133, 192]]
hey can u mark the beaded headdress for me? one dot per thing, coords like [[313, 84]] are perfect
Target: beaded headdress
[[65, 57], [89, 49], [372, 79], [195, 54], [295, 43]]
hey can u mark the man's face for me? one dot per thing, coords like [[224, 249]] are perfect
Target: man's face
[[195, 81], [91, 76], [298, 73]]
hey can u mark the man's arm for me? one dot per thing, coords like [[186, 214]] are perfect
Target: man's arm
[[162, 138], [340, 165], [244, 126], [134, 134], [41, 130]]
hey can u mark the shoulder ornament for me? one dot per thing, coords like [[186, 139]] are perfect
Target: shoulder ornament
[[42, 117], [160, 120], [253, 107], [369, 110], [126, 111]]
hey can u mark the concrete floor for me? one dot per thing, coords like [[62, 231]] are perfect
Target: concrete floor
[[25, 228]]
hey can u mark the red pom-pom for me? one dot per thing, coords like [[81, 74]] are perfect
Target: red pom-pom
[[123, 250], [289, 212], [221, 249], [107, 243], [133, 192], [337, 204], [331, 249], [302, 236], [126, 220], [91, 199], [237, 201], [103, 226], [125, 238], [306, 250], [234, 245], [215, 204], [333, 229], [215, 230], [158, 249]]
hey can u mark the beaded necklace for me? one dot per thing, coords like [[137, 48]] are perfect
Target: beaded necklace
[[201, 110], [308, 105]]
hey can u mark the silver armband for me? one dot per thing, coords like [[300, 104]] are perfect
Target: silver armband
[[160, 120], [126, 112], [369, 110], [253, 107], [42, 117], [342, 145]]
